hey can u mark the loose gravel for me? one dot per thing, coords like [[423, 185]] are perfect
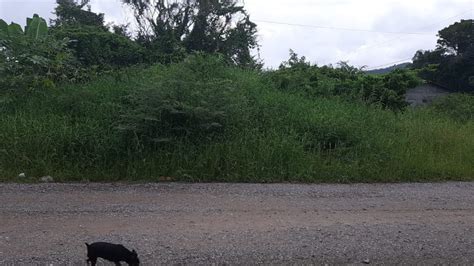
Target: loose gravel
[[48, 224]]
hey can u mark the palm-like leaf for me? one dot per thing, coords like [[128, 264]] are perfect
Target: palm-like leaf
[[36, 27]]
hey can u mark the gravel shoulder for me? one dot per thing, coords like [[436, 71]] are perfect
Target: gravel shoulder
[[177, 223]]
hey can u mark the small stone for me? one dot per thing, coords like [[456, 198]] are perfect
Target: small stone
[[22, 175], [47, 179], [366, 261], [165, 178]]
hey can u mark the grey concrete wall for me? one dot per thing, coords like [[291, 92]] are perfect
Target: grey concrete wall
[[424, 94]]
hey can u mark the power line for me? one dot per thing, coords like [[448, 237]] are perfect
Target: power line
[[398, 38], [424, 27], [372, 31], [339, 28], [391, 63]]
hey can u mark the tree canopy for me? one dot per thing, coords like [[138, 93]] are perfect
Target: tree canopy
[[72, 13], [92, 42], [211, 26], [452, 62]]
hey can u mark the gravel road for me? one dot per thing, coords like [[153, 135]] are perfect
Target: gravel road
[[240, 223]]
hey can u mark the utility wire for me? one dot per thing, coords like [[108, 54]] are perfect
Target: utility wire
[[372, 31], [402, 37], [391, 63], [339, 28], [394, 39]]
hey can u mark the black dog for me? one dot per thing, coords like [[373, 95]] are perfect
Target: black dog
[[111, 252]]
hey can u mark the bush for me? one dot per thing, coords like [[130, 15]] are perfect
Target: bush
[[387, 91], [30, 61], [145, 123], [96, 47], [193, 101], [459, 107]]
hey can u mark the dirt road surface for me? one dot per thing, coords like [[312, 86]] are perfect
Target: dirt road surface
[[240, 223]]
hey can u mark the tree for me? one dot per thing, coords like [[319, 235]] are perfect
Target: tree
[[122, 30], [32, 59], [458, 38], [93, 44], [211, 26], [71, 13], [452, 62], [102, 49], [295, 61]]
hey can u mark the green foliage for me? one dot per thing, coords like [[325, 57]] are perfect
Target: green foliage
[[10, 31], [451, 64], [36, 65], [457, 38], [387, 91], [36, 28], [190, 101], [95, 47], [93, 44], [70, 13], [140, 124], [209, 26], [459, 107], [297, 75], [202, 118], [33, 59]]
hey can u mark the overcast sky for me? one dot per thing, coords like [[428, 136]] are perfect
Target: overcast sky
[[363, 32]]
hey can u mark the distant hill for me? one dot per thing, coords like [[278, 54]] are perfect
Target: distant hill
[[387, 69]]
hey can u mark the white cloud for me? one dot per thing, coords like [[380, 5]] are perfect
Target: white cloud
[[360, 48], [322, 46]]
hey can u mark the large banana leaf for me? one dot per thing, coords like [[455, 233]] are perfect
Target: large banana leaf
[[3, 29], [14, 30], [28, 22], [36, 27]]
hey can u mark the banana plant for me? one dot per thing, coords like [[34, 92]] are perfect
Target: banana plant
[[36, 28], [3, 29]]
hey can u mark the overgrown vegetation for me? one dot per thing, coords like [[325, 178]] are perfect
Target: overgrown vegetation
[[387, 91], [459, 107], [81, 100], [203, 120], [451, 64], [32, 59]]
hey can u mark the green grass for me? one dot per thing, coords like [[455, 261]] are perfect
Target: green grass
[[126, 127]]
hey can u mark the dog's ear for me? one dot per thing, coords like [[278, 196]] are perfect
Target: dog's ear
[[134, 252]]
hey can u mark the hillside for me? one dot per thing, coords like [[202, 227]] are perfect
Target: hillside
[[388, 69], [201, 120]]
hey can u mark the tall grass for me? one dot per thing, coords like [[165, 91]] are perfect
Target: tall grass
[[202, 121]]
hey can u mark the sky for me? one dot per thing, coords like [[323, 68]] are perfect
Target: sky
[[371, 33]]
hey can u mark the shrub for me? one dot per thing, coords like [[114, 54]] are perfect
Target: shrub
[[33, 59], [97, 47], [459, 107], [192, 101], [143, 123], [387, 91]]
